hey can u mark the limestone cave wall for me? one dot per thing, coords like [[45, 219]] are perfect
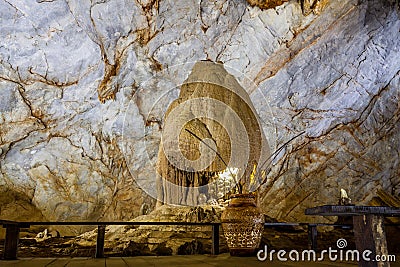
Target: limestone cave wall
[[84, 86]]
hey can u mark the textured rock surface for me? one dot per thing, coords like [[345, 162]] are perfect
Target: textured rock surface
[[333, 73], [213, 107], [265, 4]]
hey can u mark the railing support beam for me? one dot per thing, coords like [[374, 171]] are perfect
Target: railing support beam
[[101, 232], [215, 239], [312, 236], [11, 241]]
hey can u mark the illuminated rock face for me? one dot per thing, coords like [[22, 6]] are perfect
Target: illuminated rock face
[[333, 73], [212, 107], [265, 4]]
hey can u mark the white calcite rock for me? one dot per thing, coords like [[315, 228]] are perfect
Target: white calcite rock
[[332, 73]]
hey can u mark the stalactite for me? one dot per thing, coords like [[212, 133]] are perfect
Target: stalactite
[[186, 184]]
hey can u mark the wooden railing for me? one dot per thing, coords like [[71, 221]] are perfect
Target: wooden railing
[[13, 229]]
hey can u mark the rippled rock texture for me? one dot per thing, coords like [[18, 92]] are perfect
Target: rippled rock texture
[[84, 86]]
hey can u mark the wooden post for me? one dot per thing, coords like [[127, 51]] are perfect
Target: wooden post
[[312, 236], [215, 239], [370, 235], [101, 232], [11, 241]]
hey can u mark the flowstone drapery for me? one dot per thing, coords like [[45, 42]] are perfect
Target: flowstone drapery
[[213, 107]]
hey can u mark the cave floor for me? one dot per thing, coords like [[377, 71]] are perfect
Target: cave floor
[[165, 261]]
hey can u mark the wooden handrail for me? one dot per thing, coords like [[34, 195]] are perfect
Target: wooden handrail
[[123, 223], [13, 229]]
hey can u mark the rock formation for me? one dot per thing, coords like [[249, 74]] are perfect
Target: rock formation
[[265, 4], [213, 107], [307, 6], [334, 74]]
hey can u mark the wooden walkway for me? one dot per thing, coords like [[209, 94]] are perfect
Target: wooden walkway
[[166, 261]]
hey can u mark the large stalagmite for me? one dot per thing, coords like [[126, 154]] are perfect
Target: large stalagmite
[[213, 107]]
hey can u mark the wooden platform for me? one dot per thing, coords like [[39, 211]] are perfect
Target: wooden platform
[[166, 261]]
